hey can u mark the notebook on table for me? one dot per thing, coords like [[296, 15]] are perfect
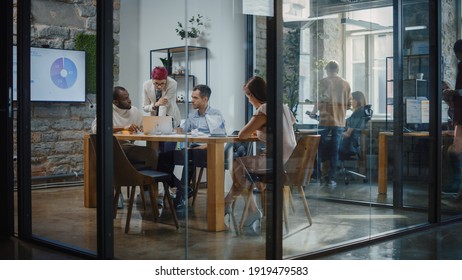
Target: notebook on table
[[157, 125]]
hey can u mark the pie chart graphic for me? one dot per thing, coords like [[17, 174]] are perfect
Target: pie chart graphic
[[63, 72]]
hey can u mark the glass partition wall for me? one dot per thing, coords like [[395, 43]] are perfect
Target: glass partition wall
[[382, 154], [204, 47], [61, 113], [365, 65]]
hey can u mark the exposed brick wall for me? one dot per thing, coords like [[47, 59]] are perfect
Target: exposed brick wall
[[57, 128]]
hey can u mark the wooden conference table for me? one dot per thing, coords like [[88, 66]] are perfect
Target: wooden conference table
[[215, 170]]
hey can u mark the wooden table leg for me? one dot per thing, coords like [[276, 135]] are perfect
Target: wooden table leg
[[383, 164], [215, 187], [89, 176]]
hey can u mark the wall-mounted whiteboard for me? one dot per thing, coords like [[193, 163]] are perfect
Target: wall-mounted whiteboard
[[56, 75]]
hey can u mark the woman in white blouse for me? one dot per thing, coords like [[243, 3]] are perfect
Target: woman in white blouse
[[255, 91]]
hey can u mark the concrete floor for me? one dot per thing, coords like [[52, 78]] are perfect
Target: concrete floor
[[350, 213]]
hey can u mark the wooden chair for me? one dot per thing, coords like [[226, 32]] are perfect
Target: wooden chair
[[297, 172], [126, 175], [237, 149]]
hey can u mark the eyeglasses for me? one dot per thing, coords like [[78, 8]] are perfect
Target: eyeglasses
[[161, 84]]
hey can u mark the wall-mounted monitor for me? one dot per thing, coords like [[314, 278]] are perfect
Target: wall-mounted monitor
[[57, 75]]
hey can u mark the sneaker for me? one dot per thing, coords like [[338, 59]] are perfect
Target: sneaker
[[160, 211], [172, 192], [160, 202], [190, 192], [179, 203], [331, 184]]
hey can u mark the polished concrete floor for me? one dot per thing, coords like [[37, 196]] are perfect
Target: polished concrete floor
[[351, 212], [442, 243]]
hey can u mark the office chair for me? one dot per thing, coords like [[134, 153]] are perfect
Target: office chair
[[354, 149]]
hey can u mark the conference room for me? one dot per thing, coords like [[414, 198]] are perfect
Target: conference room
[[393, 183]]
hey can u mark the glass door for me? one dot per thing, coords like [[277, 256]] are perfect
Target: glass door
[[206, 47], [6, 122], [54, 111]]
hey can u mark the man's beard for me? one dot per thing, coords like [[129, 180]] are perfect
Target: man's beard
[[127, 107]]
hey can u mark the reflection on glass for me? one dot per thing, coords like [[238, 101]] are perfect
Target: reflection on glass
[[318, 213], [58, 74], [361, 40]]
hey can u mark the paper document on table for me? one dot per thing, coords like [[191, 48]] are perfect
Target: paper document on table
[[417, 111]]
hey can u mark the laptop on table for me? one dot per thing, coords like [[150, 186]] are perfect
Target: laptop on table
[[157, 125]]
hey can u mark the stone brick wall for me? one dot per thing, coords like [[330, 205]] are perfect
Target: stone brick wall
[[260, 42], [449, 37], [57, 137], [57, 128]]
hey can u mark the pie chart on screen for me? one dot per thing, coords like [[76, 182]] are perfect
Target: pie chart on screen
[[63, 72]]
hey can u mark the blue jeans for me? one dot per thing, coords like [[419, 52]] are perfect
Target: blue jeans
[[331, 137]]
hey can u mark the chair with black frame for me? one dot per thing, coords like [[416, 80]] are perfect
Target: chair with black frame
[[353, 148], [297, 171], [125, 175]]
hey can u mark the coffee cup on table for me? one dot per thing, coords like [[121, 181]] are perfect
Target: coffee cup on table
[[162, 110]]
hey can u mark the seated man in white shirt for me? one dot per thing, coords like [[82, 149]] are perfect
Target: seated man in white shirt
[[129, 118], [202, 120]]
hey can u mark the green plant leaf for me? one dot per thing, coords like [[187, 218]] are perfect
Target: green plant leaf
[[87, 43], [194, 30]]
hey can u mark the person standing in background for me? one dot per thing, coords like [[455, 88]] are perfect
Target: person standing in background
[[333, 101]]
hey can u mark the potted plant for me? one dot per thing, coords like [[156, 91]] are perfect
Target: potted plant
[[291, 78], [194, 27], [167, 62]]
